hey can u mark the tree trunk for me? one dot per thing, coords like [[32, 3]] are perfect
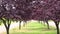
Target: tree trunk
[[39, 21], [57, 27], [25, 22], [7, 30], [20, 25], [47, 24], [44, 23], [7, 26]]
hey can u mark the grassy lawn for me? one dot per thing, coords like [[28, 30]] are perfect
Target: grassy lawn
[[33, 28]]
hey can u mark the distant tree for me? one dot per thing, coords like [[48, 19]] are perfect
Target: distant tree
[[19, 24]]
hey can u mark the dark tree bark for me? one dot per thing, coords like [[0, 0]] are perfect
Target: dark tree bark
[[44, 23], [20, 25], [25, 22], [47, 24], [7, 25], [38, 21], [57, 26], [7, 30]]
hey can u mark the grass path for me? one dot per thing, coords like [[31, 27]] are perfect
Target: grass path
[[33, 28]]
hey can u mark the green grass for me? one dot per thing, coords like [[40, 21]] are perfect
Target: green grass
[[33, 28]]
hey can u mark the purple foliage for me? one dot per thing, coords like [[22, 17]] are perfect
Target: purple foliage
[[30, 9]]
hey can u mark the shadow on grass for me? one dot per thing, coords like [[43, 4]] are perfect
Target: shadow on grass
[[25, 33], [43, 29]]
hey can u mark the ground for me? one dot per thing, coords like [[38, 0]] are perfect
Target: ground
[[33, 28]]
